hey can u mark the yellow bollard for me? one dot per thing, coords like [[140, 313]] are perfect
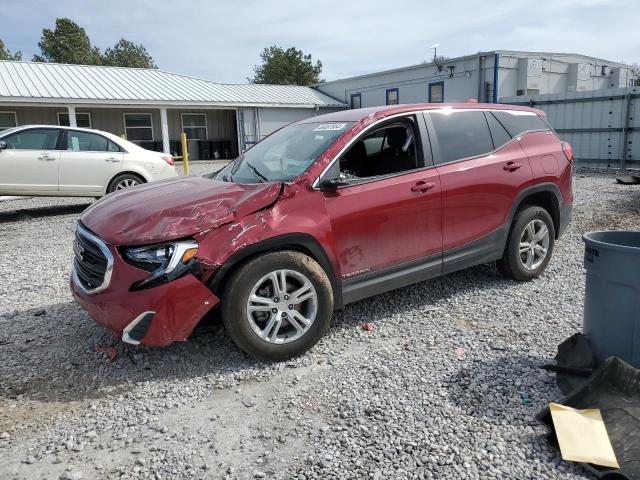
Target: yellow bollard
[[185, 154]]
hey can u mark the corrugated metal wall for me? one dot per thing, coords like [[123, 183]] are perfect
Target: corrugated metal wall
[[602, 126]]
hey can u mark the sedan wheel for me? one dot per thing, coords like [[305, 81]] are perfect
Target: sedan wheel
[[126, 183], [125, 180]]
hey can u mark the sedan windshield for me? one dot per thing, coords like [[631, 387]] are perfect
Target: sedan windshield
[[285, 154]]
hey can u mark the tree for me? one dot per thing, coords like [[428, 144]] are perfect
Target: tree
[[7, 55], [128, 54], [286, 67], [68, 43]]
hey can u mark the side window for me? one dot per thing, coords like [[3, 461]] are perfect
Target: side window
[[86, 142], [518, 122], [385, 151], [113, 147], [461, 134], [34, 139], [499, 134], [373, 143]]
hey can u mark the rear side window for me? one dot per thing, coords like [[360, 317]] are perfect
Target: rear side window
[[499, 134], [519, 122], [461, 134], [87, 142]]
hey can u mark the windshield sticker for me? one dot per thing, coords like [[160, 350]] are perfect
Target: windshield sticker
[[330, 127]]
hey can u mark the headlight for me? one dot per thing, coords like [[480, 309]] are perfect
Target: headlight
[[165, 261]]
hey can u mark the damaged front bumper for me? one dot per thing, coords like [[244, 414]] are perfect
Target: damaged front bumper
[[153, 316]]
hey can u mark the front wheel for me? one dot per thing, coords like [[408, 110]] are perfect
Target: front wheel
[[529, 245], [277, 305]]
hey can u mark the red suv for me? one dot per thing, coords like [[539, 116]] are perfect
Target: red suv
[[324, 212]]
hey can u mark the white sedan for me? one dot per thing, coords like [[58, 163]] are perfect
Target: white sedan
[[41, 160]]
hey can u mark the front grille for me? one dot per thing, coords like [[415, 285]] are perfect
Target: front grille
[[92, 263]]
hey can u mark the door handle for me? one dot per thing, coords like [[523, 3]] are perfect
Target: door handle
[[46, 157], [422, 186], [111, 160], [511, 166]]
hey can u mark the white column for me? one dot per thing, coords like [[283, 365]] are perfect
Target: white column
[[164, 126], [72, 116]]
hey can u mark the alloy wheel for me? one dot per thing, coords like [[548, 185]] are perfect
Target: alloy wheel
[[126, 183], [282, 306], [534, 244]]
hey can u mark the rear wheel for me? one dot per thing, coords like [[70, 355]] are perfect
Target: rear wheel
[[529, 245], [277, 305], [123, 181]]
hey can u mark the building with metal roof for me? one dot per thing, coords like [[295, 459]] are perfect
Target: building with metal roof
[[152, 107]]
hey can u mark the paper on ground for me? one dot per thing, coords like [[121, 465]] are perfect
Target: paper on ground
[[582, 436]]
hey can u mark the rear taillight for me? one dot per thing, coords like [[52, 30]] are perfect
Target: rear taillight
[[568, 151], [169, 159]]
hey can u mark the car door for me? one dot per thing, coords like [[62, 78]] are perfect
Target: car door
[[481, 171], [88, 163], [388, 212], [30, 162]]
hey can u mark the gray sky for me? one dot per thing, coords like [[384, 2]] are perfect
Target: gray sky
[[222, 40]]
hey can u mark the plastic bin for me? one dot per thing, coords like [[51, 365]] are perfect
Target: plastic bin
[[612, 294]]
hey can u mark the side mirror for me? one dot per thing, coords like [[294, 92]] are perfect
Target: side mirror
[[329, 184], [3, 144]]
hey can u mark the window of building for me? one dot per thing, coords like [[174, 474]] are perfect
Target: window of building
[[356, 100], [388, 150], [33, 139], [83, 119], [499, 134], [461, 134], [8, 120], [89, 142], [436, 92], [138, 126], [195, 125], [393, 96], [518, 122]]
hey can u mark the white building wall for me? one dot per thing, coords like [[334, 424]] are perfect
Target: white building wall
[[413, 83], [551, 75]]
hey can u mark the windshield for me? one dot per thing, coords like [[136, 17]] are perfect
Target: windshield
[[285, 154]]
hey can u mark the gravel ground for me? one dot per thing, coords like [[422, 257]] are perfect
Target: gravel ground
[[445, 386]]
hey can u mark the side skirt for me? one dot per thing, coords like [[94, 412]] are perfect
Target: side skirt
[[398, 276], [487, 249]]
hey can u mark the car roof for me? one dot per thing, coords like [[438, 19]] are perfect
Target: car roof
[[358, 114], [110, 136]]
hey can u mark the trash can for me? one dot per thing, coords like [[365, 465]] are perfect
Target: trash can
[[612, 295]]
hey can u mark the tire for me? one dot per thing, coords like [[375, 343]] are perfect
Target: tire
[[519, 262], [288, 336], [125, 180]]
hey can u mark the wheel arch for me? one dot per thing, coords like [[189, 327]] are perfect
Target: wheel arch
[[299, 242], [547, 196]]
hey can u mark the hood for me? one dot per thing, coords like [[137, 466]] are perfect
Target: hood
[[175, 208]]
